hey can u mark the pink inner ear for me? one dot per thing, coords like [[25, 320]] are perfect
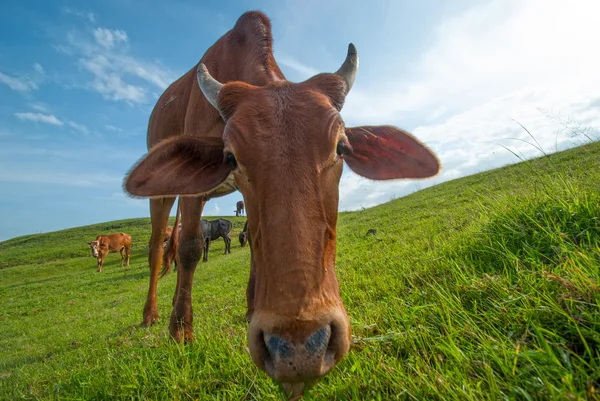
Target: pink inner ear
[[386, 152]]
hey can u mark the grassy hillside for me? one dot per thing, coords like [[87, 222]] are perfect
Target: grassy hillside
[[481, 288]]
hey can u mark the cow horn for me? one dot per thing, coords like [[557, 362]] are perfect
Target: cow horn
[[210, 87], [349, 69]]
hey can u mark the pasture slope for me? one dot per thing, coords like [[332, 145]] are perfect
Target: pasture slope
[[482, 288]]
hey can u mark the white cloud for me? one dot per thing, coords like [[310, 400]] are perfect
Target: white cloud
[[79, 127], [41, 107], [20, 84], [86, 15], [109, 83], [24, 83], [111, 65], [107, 38], [58, 178], [477, 140], [303, 71], [215, 211], [113, 128], [490, 50], [38, 68], [39, 117], [493, 63]]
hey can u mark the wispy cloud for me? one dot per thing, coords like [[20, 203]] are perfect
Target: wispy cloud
[[490, 50], [24, 83], [107, 38], [20, 84], [39, 69], [303, 70], [215, 211], [89, 16], [104, 54], [59, 178], [494, 63], [109, 83], [39, 117], [113, 128], [41, 107], [79, 127]]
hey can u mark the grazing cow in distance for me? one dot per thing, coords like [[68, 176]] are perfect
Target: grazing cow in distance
[[212, 230], [111, 243], [239, 208], [243, 237], [168, 233], [233, 122]]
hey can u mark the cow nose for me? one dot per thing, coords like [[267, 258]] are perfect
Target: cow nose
[[301, 360]]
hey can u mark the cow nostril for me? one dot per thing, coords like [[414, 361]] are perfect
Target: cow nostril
[[333, 346], [318, 342], [277, 347]]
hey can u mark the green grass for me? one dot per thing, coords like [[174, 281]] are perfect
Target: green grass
[[480, 288]]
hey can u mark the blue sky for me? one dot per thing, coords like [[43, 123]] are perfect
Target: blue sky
[[78, 81]]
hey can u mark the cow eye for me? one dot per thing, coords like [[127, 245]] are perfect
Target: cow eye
[[342, 149], [230, 159]]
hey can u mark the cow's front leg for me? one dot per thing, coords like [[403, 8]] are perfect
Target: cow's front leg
[[190, 251], [122, 256], [159, 216], [100, 261]]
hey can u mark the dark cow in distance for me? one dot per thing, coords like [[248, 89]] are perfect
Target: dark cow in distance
[[243, 237], [111, 243], [233, 122], [239, 208], [212, 230]]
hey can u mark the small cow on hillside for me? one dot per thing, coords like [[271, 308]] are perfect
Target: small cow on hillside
[[244, 235], [111, 243], [211, 230], [239, 208], [168, 233]]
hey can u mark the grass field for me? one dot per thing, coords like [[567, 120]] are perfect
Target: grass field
[[482, 288]]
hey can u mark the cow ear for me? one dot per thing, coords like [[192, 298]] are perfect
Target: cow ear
[[89, 242], [387, 152], [182, 165]]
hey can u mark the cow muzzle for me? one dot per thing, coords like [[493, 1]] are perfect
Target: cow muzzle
[[296, 352]]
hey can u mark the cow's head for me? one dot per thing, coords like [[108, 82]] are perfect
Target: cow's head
[[94, 245], [285, 144], [243, 237]]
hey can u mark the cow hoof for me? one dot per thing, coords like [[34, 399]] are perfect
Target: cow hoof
[[150, 320], [181, 332]]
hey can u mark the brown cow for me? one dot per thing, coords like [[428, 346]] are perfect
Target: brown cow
[[111, 243], [168, 233], [282, 145], [239, 208]]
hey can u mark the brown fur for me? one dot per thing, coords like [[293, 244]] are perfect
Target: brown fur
[[170, 253], [242, 54], [288, 142], [168, 233], [112, 243]]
